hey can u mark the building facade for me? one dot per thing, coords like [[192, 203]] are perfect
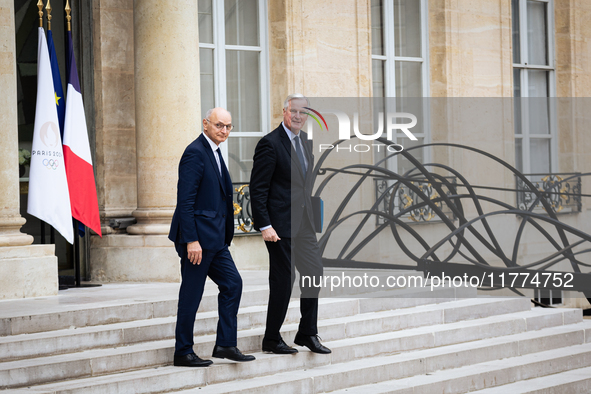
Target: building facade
[[150, 70]]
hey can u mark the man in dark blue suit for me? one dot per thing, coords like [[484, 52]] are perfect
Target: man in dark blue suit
[[202, 229]]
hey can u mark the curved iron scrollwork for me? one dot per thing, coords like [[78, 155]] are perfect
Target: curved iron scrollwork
[[242, 210], [425, 195]]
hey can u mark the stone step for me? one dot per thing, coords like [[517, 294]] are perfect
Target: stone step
[[127, 333], [52, 315], [498, 374], [118, 334], [343, 351], [107, 360], [443, 334], [118, 303], [577, 381], [431, 318], [440, 335], [414, 371]]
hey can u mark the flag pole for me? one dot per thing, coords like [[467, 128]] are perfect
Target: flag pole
[[40, 6], [68, 17], [76, 223], [53, 208], [76, 246], [48, 8]]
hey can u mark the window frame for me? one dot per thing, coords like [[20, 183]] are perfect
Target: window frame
[[390, 60], [389, 57], [524, 67], [219, 48]]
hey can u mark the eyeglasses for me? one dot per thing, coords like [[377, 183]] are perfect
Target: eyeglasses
[[220, 126], [295, 112]]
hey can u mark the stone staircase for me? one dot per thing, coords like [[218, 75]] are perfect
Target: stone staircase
[[120, 339]]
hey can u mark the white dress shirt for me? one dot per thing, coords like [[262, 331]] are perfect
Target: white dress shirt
[[291, 137], [214, 148]]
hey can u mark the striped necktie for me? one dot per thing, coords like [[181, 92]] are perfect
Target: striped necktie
[[300, 154]]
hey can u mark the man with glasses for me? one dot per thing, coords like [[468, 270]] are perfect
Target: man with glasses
[[280, 194], [202, 229]]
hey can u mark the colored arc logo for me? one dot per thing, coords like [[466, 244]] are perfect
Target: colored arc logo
[[316, 119]]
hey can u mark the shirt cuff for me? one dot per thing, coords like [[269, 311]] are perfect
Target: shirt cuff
[[266, 227]]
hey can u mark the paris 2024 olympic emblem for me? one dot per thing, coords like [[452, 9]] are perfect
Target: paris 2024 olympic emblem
[[50, 137]]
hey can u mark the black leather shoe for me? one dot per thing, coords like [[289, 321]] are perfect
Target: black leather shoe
[[278, 347], [312, 342], [190, 360], [231, 353]]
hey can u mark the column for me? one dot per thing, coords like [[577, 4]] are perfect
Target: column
[[167, 119], [10, 219], [167, 102], [114, 112], [25, 270]]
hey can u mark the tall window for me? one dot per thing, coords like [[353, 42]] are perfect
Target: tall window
[[533, 84], [399, 65], [233, 63]]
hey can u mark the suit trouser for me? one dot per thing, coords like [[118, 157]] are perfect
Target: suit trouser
[[220, 267], [303, 253]]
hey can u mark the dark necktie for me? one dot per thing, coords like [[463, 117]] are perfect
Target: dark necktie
[[222, 166], [221, 161], [300, 154]]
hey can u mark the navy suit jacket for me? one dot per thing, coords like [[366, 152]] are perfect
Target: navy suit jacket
[[204, 210], [278, 189]]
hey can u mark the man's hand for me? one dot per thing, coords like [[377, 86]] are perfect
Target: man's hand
[[270, 235], [194, 252]]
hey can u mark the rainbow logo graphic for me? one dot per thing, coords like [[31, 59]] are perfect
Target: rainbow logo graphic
[[316, 119]]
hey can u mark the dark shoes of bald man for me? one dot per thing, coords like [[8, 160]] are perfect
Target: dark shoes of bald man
[[190, 360], [229, 352]]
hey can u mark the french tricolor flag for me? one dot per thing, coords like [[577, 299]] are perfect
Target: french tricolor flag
[[77, 158]]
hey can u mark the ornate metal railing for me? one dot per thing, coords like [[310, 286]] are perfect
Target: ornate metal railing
[[562, 191], [242, 209], [393, 197], [478, 248]]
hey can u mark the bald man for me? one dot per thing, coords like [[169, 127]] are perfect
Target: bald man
[[202, 229]]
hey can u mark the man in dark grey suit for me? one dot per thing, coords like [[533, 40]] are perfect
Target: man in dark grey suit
[[280, 191], [202, 229]]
